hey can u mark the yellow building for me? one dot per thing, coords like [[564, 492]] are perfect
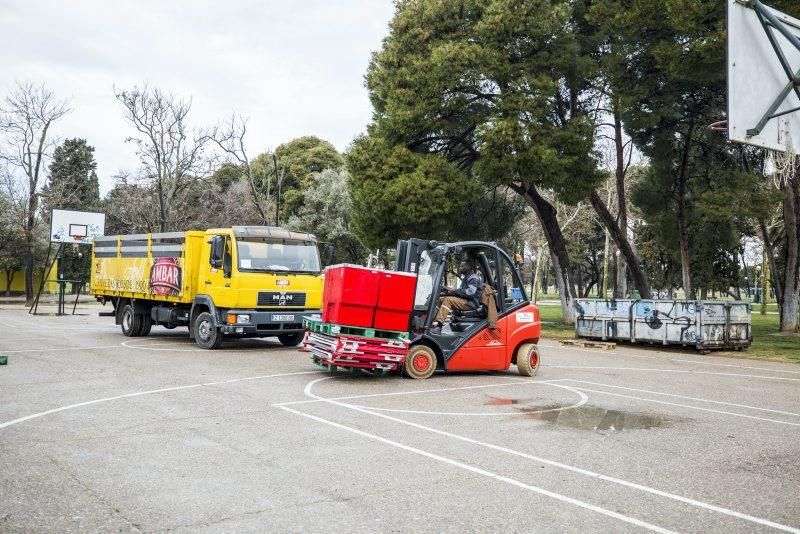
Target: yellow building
[[18, 281]]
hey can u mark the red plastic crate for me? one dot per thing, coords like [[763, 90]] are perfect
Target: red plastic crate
[[395, 300], [350, 295]]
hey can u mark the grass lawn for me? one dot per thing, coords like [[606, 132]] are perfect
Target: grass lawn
[[767, 344]]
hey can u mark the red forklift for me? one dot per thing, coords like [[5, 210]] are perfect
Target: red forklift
[[466, 342]]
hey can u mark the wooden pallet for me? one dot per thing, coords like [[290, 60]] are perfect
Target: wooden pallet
[[588, 344], [316, 325]]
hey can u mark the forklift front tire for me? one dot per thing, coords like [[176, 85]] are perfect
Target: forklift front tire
[[420, 362], [528, 359]]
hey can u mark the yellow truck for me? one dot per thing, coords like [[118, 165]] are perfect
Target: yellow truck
[[244, 281]]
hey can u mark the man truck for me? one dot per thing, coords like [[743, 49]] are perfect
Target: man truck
[[244, 281]]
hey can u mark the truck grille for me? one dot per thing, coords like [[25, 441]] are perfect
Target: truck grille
[[281, 298]]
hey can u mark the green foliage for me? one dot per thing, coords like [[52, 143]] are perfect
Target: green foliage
[[227, 174], [326, 212], [399, 194], [494, 86], [300, 159], [72, 183], [297, 162]]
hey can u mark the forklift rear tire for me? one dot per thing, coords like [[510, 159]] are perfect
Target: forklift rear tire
[[290, 340], [206, 334], [528, 359], [131, 323], [420, 362]]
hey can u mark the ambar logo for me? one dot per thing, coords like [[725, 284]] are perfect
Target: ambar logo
[[165, 277]]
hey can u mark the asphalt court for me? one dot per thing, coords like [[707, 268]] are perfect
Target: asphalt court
[[103, 432]]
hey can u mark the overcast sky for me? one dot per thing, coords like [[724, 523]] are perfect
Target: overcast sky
[[293, 67]]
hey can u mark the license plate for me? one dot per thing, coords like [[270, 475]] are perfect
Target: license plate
[[283, 318]]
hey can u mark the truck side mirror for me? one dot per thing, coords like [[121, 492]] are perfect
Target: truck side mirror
[[217, 251]]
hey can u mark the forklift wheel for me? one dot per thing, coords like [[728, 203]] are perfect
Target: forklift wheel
[[420, 362], [528, 359]]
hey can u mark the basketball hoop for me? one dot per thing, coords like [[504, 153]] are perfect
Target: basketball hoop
[[719, 126], [781, 165]]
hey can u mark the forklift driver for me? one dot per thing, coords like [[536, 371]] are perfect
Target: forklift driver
[[467, 297]]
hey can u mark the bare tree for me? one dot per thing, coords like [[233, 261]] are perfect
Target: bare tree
[[26, 119], [170, 151], [230, 138]]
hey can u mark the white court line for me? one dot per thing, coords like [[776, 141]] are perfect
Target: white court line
[[646, 356], [680, 396], [583, 400], [738, 366], [59, 349], [778, 421], [679, 371], [157, 346], [482, 472], [654, 491], [416, 392], [141, 393]]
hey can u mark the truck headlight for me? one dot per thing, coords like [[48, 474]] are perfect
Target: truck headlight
[[238, 319]]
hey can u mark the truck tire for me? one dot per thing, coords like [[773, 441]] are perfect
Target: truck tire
[[131, 322], [147, 324], [206, 334], [528, 359], [290, 340], [420, 362]]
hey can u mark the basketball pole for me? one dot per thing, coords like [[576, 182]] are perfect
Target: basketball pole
[[46, 274]]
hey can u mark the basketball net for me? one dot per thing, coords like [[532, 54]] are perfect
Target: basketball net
[[779, 165]]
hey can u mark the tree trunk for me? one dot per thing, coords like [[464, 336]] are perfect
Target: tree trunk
[[622, 206], [791, 285], [9, 281], [557, 246], [773, 266], [683, 231], [535, 282], [621, 240]]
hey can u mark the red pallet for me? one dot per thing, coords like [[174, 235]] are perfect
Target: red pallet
[[355, 352]]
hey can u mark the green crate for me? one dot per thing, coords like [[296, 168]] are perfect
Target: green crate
[[3, 359], [316, 325]]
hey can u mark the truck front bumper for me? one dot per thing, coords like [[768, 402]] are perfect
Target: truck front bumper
[[266, 323]]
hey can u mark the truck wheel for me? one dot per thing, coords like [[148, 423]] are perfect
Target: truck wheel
[[290, 340], [147, 324], [420, 362], [205, 333], [131, 322], [528, 359]]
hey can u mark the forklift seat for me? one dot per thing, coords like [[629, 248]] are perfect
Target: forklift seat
[[469, 316]]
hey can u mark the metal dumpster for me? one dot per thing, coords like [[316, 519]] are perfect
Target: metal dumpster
[[704, 324]]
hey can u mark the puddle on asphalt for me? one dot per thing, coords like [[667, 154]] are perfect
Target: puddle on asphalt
[[596, 418], [585, 417]]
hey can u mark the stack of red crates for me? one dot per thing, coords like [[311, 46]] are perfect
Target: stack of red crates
[[379, 302], [368, 298]]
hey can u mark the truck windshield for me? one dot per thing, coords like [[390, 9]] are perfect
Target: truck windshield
[[282, 255]]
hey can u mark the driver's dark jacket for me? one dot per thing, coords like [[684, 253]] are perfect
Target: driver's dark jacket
[[470, 290]]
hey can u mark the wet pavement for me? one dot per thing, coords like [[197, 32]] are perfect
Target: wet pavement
[[103, 432]]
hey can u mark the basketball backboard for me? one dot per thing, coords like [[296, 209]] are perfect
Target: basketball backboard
[[76, 226], [763, 74]]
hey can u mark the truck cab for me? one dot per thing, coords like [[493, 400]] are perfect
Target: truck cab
[[259, 281]]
